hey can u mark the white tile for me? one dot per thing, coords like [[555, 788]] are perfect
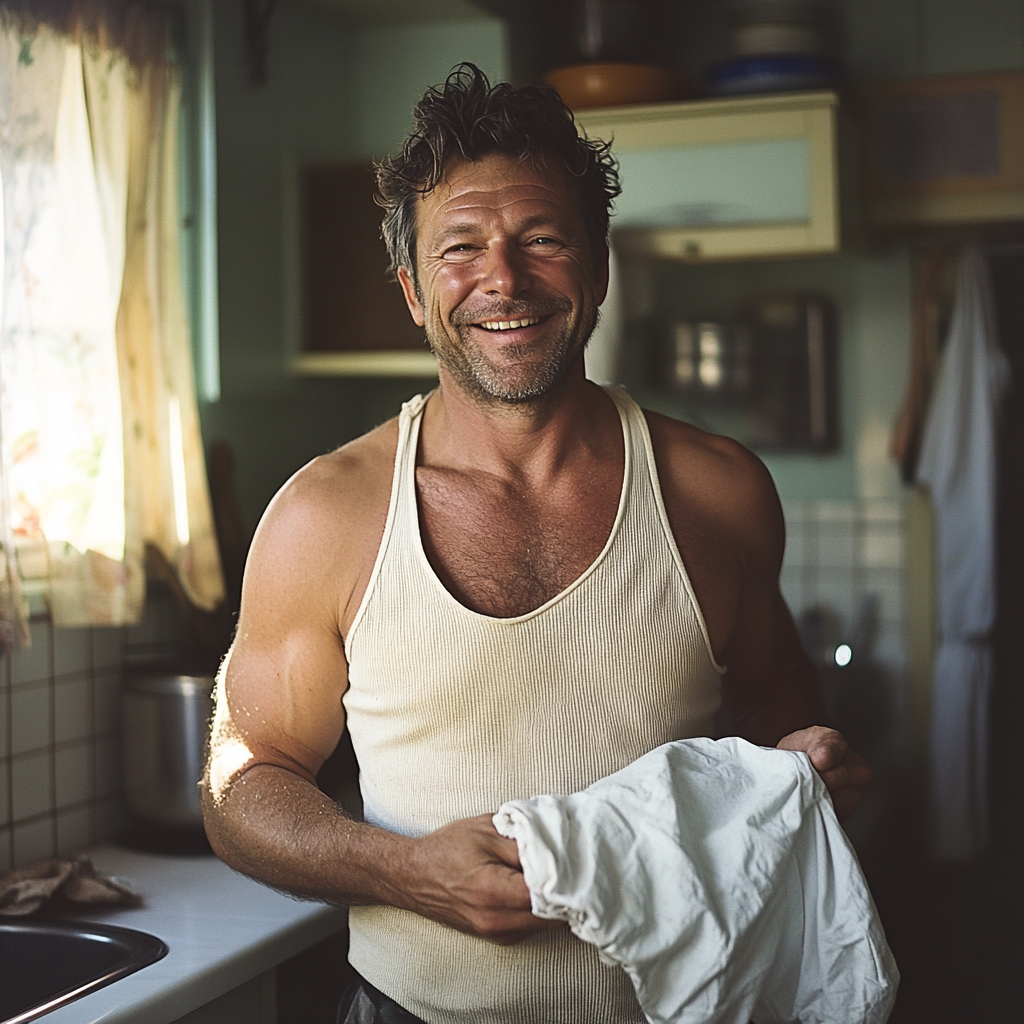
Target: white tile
[[835, 594], [30, 719], [33, 842], [789, 583], [836, 546], [108, 767], [794, 512], [5, 849], [31, 788], [834, 511], [149, 629], [108, 703], [107, 646], [111, 819], [74, 830], [5, 809], [890, 512], [794, 544], [72, 651], [72, 709], [29, 664], [74, 774], [4, 693], [882, 547]]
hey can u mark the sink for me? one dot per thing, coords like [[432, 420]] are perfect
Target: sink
[[45, 964]]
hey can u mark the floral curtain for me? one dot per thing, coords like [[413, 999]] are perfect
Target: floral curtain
[[100, 450]]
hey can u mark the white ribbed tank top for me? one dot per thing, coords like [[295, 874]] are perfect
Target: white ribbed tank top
[[453, 712]]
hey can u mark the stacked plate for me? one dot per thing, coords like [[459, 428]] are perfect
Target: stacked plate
[[779, 46]]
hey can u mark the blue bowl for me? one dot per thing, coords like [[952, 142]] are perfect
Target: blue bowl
[[774, 73]]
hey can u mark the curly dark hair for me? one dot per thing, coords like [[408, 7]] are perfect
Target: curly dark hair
[[468, 117]]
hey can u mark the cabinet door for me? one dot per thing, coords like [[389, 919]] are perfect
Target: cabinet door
[[725, 179]]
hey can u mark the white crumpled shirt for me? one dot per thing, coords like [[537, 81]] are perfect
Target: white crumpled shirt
[[716, 874]]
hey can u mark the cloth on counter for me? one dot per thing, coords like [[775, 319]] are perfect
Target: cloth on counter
[[958, 465], [25, 890], [716, 874]]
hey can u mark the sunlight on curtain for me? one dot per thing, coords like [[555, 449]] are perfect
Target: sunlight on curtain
[[101, 451]]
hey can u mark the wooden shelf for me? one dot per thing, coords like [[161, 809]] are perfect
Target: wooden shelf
[[367, 363]]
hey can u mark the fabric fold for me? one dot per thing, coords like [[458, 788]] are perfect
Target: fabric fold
[[716, 875]]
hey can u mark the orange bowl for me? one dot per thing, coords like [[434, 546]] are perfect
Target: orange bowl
[[611, 85]]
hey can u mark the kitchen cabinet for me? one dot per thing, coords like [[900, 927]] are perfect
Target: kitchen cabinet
[[740, 178], [347, 317], [947, 149]]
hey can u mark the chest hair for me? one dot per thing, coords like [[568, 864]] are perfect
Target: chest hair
[[504, 552]]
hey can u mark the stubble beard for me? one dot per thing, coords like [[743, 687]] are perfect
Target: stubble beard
[[517, 380]]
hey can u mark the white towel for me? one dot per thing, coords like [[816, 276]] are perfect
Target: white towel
[[716, 874], [958, 464]]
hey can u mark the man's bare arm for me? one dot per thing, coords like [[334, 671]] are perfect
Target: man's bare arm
[[279, 715], [727, 519]]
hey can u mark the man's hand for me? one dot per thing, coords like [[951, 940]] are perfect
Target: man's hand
[[467, 876], [844, 773]]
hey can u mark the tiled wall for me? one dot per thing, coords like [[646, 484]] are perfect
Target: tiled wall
[[840, 552], [60, 781], [840, 555]]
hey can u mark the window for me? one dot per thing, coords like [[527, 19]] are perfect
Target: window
[[99, 434]]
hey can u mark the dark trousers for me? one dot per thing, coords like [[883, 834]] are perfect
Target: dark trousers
[[363, 1004]]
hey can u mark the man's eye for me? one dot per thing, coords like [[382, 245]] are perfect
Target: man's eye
[[458, 250]]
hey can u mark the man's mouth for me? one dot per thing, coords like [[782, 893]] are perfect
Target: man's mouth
[[509, 325]]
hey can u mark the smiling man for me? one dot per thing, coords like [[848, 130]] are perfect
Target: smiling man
[[519, 586]]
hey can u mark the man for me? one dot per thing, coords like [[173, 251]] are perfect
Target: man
[[521, 585]]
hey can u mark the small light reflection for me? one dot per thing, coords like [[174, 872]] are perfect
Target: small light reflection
[[843, 655]]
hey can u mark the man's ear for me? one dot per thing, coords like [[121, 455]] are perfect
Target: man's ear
[[411, 298]]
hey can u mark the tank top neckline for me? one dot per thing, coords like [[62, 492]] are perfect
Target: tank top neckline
[[406, 495]]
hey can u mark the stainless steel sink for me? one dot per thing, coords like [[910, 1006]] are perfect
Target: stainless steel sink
[[45, 964]]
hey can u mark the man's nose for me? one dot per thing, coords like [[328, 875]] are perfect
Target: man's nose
[[504, 271]]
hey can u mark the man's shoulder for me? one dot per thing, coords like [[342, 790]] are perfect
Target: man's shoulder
[[342, 492], [716, 484], [712, 460]]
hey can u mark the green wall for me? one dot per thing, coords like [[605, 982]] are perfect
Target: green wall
[[338, 92], [335, 92]]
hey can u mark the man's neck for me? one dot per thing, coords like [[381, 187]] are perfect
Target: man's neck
[[527, 441]]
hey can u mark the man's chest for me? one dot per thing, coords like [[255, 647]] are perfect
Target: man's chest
[[505, 550]]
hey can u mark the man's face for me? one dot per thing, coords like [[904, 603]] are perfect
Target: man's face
[[508, 283]]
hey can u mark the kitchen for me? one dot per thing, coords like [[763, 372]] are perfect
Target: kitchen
[[339, 89]]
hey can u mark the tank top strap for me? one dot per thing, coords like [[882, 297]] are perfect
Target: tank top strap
[[402, 515], [647, 512]]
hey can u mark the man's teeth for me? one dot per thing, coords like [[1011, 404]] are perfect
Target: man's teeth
[[508, 325]]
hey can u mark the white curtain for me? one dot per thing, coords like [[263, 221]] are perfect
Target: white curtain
[[99, 432]]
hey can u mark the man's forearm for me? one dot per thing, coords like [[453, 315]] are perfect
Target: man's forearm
[[279, 829]]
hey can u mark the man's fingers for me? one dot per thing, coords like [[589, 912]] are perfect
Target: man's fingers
[[844, 773], [852, 773]]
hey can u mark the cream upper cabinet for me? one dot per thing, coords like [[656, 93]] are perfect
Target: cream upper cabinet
[[725, 179]]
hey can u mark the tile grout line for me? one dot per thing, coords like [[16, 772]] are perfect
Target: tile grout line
[[93, 817], [52, 728]]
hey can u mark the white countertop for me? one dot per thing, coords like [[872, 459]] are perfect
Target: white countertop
[[221, 928]]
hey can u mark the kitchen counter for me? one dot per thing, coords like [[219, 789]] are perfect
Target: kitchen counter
[[222, 930]]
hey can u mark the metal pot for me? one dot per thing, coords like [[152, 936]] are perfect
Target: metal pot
[[166, 720]]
